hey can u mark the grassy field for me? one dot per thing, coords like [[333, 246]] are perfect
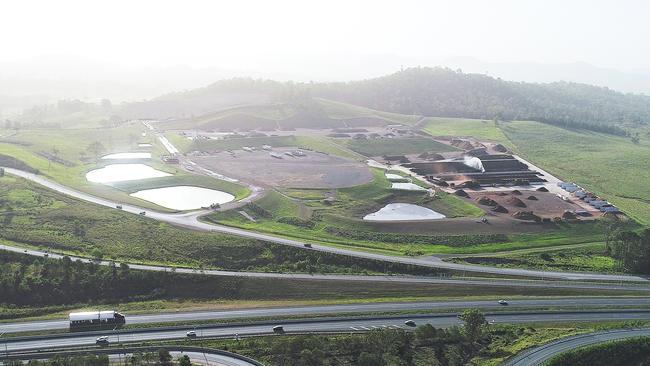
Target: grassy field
[[611, 166], [481, 129], [71, 145], [36, 217], [589, 258], [395, 146]]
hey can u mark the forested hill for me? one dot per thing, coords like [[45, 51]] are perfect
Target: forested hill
[[446, 93], [436, 92]]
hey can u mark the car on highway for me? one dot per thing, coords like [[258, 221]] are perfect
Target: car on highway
[[278, 329], [409, 323], [503, 302], [103, 340], [119, 207], [191, 334], [143, 213]]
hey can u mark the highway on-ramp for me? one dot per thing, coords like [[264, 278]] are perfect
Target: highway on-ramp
[[191, 220], [539, 355], [361, 308], [321, 325]]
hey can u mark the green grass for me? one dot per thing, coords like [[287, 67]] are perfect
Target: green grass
[[35, 217], [589, 258], [395, 146], [480, 129], [614, 167]]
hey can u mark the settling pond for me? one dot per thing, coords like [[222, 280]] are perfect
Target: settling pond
[[122, 172], [132, 155], [184, 197], [407, 187], [403, 212]]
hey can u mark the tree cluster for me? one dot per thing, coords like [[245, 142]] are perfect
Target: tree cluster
[[632, 249]]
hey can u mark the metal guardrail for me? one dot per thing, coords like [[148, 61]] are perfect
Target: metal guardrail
[[123, 350], [520, 358]]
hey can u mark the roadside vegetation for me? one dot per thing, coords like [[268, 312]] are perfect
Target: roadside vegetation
[[634, 351], [33, 216], [477, 343]]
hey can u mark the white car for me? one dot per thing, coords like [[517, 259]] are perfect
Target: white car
[[191, 334], [103, 340], [503, 302], [410, 323]]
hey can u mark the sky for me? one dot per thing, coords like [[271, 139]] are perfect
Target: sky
[[316, 40]]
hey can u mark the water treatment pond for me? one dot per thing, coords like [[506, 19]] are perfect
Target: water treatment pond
[[184, 197], [407, 187], [403, 212], [131, 155], [122, 172]]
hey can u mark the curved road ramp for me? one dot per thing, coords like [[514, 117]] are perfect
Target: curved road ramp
[[198, 355], [537, 356]]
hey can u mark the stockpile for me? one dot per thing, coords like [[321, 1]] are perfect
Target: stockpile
[[526, 216], [515, 202]]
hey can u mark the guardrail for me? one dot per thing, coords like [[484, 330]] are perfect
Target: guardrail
[[521, 358], [126, 350]]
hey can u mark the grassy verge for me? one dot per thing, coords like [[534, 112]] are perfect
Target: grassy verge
[[36, 217]]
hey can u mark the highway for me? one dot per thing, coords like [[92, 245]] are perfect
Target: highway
[[321, 325], [494, 282], [539, 355], [191, 220], [199, 356], [211, 315]]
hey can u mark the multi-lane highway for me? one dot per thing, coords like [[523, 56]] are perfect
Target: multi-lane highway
[[194, 316], [321, 325], [539, 355], [191, 220]]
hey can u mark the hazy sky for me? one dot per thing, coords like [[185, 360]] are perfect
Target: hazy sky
[[315, 36]]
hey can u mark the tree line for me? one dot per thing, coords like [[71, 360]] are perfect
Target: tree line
[[631, 249]]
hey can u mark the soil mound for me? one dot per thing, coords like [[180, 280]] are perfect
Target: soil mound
[[568, 215], [500, 148], [502, 194], [499, 208], [515, 202], [430, 156], [542, 189], [532, 198], [461, 193], [516, 192], [526, 216], [462, 144], [487, 201]]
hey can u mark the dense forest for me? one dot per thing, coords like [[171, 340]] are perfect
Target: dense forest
[[446, 93]]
